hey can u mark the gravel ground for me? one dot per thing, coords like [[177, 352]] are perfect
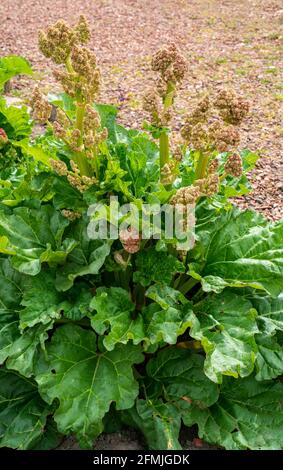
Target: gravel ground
[[226, 42], [231, 42]]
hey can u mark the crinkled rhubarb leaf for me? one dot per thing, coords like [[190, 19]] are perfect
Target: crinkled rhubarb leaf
[[36, 236], [13, 65], [86, 381], [160, 423], [239, 249], [269, 360], [22, 411], [115, 315], [226, 324], [41, 301], [270, 313], [166, 324], [114, 312], [248, 415], [181, 374], [26, 347], [88, 257]]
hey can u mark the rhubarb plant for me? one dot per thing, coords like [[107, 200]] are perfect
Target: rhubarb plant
[[104, 316]]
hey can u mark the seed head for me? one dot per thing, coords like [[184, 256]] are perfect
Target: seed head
[[233, 109], [226, 137], [82, 30], [184, 196], [233, 165], [59, 167], [213, 166], [199, 136], [71, 215], [57, 41], [41, 109], [152, 105]]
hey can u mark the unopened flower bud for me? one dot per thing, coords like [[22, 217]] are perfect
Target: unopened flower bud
[[130, 240], [58, 130], [152, 105], [41, 109]]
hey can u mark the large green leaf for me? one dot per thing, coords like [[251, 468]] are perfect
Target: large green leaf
[[181, 374], [270, 313], [165, 296], [91, 265], [10, 287], [158, 421], [156, 266], [239, 249], [36, 236], [86, 381], [15, 121], [114, 312], [165, 324], [41, 301], [13, 65], [108, 114], [140, 158], [88, 257], [9, 333], [226, 324], [22, 412], [25, 349], [116, 317], [248, 415], [36, 152], [269, 361]]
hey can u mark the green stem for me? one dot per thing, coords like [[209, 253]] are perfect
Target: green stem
[[80, 158], [168, 100], [164, 139], [202, 165], [163, 149], [188, 285], [69, 65]]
